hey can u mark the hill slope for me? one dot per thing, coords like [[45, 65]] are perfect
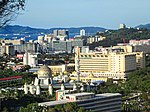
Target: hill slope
[[28, 30]]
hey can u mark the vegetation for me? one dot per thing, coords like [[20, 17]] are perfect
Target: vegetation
[[13, 99], [135, 90], [9, 9], [26, 78], [113, 37], [68, 107]]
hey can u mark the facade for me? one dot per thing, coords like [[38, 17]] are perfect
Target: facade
[[13, 42], [122, 26], [30, 59], [58, 68], [8, 49], [139, 42], [61, 33], [82, 32], [40, 39], [107, 102], [66, 46], [28, 46], [142, 48], [88, 78], [110, 65], [140, 60], [44, 80]]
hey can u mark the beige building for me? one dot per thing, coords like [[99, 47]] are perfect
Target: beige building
[[40, 39], [62, 68], [8, 49], [110, 65], [140, 60], [14, 42]]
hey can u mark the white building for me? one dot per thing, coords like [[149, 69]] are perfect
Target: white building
[[40, 39], [30, 59], [82, 32]]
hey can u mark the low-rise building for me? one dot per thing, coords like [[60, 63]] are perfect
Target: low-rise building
[[107, 102]]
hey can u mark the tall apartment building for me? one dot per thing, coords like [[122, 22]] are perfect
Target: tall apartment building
[[111, 65], [31, 47], [8, 49]]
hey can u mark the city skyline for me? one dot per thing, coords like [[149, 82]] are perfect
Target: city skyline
[[70, 13]]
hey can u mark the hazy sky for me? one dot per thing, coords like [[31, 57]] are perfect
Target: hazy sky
[[75, 13]]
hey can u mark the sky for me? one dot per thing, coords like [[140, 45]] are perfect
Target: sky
[[80, 13]]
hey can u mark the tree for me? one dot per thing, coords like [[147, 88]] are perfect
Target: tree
[[9, 9]]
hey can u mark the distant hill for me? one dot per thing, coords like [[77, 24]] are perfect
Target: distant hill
[[147, 26], [16, 29]]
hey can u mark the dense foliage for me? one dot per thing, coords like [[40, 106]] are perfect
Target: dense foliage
[[68, 107], [135, 90], [113, 37]]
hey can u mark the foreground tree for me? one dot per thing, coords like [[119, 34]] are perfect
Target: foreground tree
[[9, 9]]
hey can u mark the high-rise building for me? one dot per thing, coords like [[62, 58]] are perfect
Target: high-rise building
[[8, 49], [111, 65], [61, 33]]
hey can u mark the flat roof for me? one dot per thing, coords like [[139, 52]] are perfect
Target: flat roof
[[107, 94], [53, 103], [97, 96], [79, 94]]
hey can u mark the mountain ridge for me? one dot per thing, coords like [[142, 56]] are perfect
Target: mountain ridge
[[10, 29]]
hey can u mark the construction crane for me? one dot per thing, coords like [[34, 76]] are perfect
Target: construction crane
[[125, 45]]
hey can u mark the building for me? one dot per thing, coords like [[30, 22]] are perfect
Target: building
[[82, 32], [110, 65], [140, 60], [122, 26], [57, 69], [13, 42], [40, 39], [8, 49], [107, 102], [30, 59], [61, 32], [44, 80], [28, 46], [139, 42]]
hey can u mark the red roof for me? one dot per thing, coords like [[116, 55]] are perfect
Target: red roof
[[10, 78]]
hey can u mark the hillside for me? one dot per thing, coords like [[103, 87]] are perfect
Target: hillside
[[147, 26], [117, 36], [28, 30]]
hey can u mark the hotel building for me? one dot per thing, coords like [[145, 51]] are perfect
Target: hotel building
[[112, 65]]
